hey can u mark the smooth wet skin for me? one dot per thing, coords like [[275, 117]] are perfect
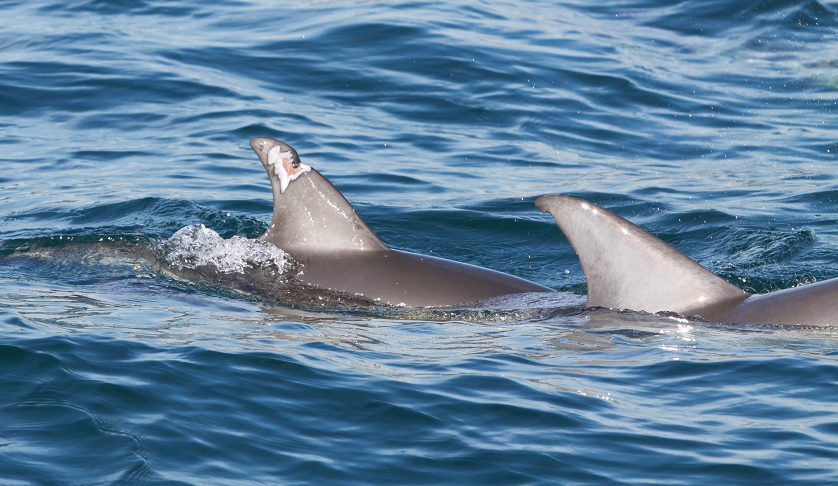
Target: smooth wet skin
[[317, 226], [625, 266], [629, 268]]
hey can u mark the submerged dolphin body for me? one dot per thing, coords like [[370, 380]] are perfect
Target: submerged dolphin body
[[317, 226], [628, 268]]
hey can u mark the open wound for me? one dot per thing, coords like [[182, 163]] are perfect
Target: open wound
[[282, 164]]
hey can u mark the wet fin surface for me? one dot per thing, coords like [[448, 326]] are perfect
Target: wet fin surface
[[336, 251], [310, 214], [626, 267]]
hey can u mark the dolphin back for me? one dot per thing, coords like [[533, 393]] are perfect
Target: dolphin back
[[628, 268], [814, 304], [317, 226]]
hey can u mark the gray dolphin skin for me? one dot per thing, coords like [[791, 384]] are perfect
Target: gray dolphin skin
[[317, 226], [625, 266], [628, 268]]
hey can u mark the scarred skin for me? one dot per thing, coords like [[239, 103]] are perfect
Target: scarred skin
[[317, 226], [625, 266]]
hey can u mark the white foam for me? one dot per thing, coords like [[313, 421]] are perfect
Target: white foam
[[197, 246]]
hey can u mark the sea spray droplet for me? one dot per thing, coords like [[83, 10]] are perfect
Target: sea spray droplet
[[198, 246]]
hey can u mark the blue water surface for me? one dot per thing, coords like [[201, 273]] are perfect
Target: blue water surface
[[711, 124]]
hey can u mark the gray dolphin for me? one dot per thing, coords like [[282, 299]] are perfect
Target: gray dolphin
[[317, 226], [628, 268]]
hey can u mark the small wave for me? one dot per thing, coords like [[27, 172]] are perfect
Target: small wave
[[197, 246]]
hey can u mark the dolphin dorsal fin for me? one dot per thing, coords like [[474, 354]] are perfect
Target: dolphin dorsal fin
[[628, 268], [310, 215]]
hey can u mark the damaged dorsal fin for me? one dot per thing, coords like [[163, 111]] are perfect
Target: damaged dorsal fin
[[310, 215], [628, 268]]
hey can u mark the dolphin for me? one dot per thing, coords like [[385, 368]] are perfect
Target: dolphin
[[629, 268], [625, 266], [317, 226]]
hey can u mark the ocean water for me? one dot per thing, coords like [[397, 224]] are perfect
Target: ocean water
[[711, 124]]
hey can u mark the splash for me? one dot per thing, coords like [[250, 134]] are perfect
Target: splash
[[197, 246]]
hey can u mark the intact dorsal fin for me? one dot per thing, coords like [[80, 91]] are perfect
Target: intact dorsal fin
[[310, 215], [628, 268]]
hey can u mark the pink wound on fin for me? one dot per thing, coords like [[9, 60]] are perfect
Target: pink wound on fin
[[283, 168]]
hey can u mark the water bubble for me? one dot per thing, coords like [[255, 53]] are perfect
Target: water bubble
[[198, 246]]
